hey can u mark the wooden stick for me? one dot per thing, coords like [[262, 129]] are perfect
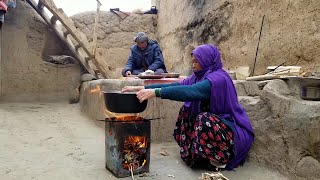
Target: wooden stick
[[95, 36], [263, 77], [255, 58], [130, 166]]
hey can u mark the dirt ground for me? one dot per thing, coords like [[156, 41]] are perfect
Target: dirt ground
[[55, 141]]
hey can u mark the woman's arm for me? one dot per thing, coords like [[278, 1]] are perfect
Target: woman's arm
[[153, 86], [195, 92], [198, 91]]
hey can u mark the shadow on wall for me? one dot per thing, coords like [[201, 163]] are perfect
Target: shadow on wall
[[212, 28], [198, 4]]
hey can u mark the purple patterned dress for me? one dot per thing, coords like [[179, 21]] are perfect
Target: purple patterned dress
[[203, 138]]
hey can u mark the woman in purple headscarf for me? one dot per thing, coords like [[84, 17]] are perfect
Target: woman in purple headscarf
[[212, 128]]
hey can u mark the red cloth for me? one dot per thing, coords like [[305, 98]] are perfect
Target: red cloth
[[3, 6]]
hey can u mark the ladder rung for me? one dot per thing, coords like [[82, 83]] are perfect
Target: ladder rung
[[87, 59], [40, 4], [77, 46], [66, 33], [60, 10], [53, 19]]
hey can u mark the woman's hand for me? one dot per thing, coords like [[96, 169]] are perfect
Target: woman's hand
[[145, 94], [132, 88]]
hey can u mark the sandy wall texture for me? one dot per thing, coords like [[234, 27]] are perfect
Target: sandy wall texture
[[291, 31], [25, 40], [115, 35]]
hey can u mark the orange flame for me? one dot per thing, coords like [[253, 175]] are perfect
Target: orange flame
[[138, 139], [128, 118], [96, 90], [134, 146], [144, 162], [109, 113]]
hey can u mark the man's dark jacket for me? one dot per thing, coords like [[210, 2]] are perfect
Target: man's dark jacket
[[153, 57]]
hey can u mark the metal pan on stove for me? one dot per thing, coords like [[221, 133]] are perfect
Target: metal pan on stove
[[128, 102]]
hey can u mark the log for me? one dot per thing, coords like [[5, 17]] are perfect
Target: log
[[263, 77], [95, 36]]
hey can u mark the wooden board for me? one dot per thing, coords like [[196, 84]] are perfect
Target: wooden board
[[263, 77]]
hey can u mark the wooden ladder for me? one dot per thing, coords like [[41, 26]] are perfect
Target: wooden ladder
[[82, 49]]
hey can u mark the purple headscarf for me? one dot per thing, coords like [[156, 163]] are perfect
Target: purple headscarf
[[223, 100]]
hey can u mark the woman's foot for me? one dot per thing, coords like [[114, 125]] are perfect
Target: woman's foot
[[218, 165], [201, 163]]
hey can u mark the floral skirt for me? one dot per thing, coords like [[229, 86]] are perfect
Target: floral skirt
[[203, 137]]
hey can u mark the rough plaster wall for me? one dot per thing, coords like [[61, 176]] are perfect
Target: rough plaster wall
[[115, 36], [290, 34], [25, 39]]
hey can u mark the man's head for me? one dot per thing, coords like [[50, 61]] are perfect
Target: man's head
[[142, 40]]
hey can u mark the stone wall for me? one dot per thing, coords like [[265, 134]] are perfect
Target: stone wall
[[287, 129], [291, 31], [24, 75], [115, 35]]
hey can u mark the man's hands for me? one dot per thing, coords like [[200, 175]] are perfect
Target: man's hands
[[142, 94], [128, 73]]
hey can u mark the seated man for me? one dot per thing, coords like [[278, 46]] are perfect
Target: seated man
[[145, 55]]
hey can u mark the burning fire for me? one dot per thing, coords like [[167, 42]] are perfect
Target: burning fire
[[135, 152], [128, 118]]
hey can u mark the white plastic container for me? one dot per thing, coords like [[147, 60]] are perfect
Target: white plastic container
[[242, 72]]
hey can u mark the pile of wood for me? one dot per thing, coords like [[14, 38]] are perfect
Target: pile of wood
[[134, 155], [278, 72], [212, 176]]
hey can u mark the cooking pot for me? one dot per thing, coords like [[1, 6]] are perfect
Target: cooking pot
[[134, 119], [127, 102], [310, 93]]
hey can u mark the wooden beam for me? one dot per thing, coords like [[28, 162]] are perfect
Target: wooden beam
[[99, 2], [96, 23]]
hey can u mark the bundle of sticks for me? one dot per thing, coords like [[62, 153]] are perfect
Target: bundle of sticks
[[212, 176], [134, 155]]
